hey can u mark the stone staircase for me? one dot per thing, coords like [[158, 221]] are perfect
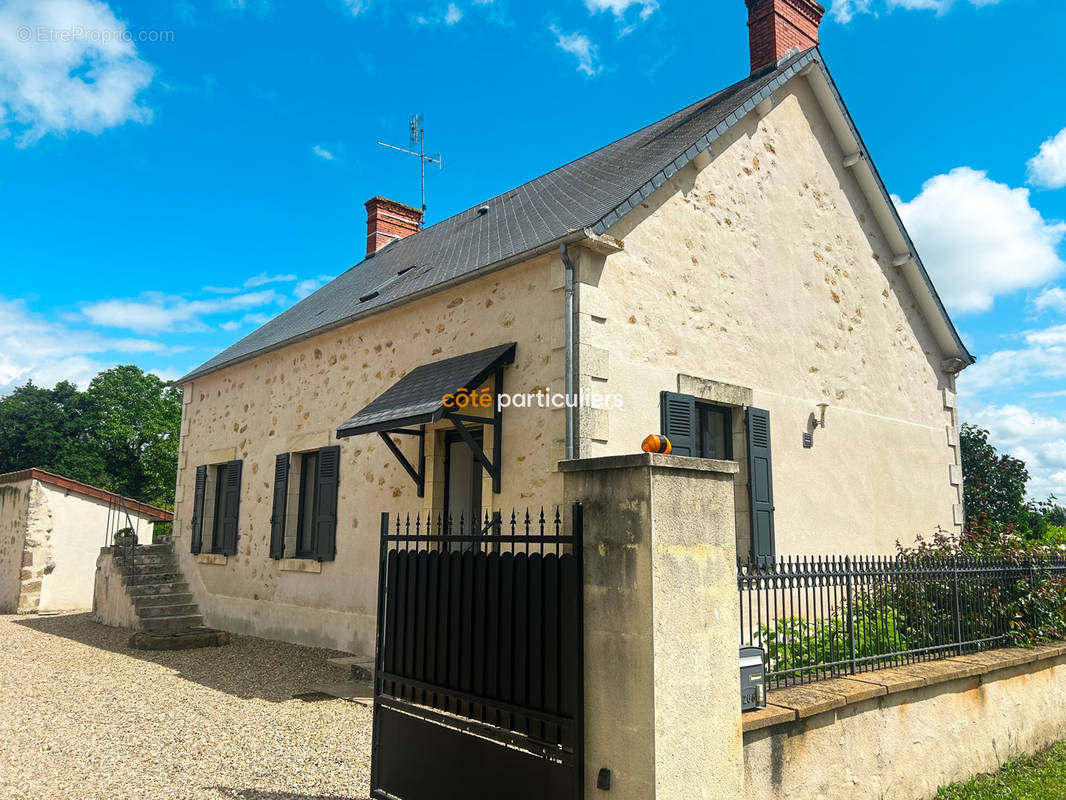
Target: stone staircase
[[157, 588]]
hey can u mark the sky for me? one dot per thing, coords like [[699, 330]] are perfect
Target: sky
[[173, 173]]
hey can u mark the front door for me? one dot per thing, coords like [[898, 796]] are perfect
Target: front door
[[463, 474]]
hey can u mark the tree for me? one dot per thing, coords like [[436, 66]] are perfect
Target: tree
[[137, 419], [49, 429], [993, 484], [120, 434]]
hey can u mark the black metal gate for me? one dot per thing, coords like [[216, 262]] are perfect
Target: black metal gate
[[478, 683]]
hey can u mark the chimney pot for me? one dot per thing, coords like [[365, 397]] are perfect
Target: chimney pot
[[387, 221], [777, 26]]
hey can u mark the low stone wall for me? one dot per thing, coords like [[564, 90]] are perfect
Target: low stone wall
[[112, 604], [902, 732]]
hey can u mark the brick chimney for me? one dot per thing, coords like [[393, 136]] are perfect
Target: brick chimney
[[387, 221], [776, 26]]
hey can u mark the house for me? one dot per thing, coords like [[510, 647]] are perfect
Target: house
[[734, 276], [51, 531]]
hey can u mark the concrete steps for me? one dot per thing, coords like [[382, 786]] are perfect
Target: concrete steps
[[156, 589], [168, 610], [361, 667], [172, 624], [161, 598]]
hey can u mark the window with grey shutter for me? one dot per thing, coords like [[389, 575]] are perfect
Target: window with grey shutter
[[230, 507], [678, 420], [199, 489], [281, 496], [760, 485], [324, 541]]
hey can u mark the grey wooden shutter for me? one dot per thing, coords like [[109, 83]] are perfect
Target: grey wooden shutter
[[281, 496], [231, 506], [324, 538], [678, 418], [760, 485], [199, 489]]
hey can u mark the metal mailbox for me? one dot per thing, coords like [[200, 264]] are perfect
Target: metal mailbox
[[752, 679]]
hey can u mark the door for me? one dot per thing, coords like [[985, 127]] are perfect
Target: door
[[463, 474]]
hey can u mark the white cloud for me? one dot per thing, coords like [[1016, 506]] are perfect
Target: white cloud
[[845, 10], [620, 7], [67, 65], [580, 46], [453, 14], [262, 279], [322, 152], [260, 7], [1051, 299], [355, 7], [1038, 439], [1048, 167], [33, 348], [309, 286], [980, 239], [155, 312]]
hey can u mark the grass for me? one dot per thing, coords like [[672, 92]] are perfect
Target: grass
[[1041, 777]]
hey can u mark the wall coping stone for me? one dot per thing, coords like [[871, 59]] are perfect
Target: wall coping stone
[[657, 460], [786, 706]]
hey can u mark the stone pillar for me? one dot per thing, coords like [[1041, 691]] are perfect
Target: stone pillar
[[662, 684]]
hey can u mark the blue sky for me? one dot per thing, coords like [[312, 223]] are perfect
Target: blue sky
[[166, 188]]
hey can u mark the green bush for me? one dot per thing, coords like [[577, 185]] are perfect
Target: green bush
[[1008, 589], [798, 645]]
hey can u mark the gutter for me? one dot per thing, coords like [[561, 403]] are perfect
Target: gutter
[[568, 336]]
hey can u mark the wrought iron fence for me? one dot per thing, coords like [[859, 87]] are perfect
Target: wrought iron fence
[[828, 616]]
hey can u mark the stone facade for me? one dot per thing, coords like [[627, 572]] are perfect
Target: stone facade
[[763, 272], [759, 275]]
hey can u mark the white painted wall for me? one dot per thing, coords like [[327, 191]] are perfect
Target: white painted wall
[[79, 527]]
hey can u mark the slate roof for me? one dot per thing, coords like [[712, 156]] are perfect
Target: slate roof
[[418, 397], [594, 191]]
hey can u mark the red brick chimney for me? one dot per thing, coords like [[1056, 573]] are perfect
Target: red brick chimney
[[387, 221], [776, 26]]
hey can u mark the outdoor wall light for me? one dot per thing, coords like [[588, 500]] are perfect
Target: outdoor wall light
[[814, 422], [820, 420]]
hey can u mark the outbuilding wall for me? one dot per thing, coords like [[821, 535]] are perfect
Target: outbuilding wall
[[763, 268], [14, 510], [293, 400], [76, 530]]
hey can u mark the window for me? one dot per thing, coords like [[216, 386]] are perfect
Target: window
[[305, 522], [216, 527], [216, 507], [714, 431], [304, 519]]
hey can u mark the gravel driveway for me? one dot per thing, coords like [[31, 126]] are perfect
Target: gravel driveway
[[83, 716]]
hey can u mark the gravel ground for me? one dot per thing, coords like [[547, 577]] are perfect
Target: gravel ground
[[83, 716]]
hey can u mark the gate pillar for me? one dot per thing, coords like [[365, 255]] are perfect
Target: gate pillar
[[662, 681]]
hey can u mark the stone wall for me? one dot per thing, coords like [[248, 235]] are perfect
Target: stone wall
[[293, 400], [763, 268], [662, 686], [14, 511], [49, 538], [898, 734]]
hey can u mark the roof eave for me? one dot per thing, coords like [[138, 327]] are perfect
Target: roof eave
[[811, 64], [573, 237]]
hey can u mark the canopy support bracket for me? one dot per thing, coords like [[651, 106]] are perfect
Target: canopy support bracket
[[417, 475]]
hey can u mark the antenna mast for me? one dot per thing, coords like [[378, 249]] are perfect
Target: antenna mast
[[417, 143]]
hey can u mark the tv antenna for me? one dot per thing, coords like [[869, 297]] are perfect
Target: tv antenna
[[417, 144]]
